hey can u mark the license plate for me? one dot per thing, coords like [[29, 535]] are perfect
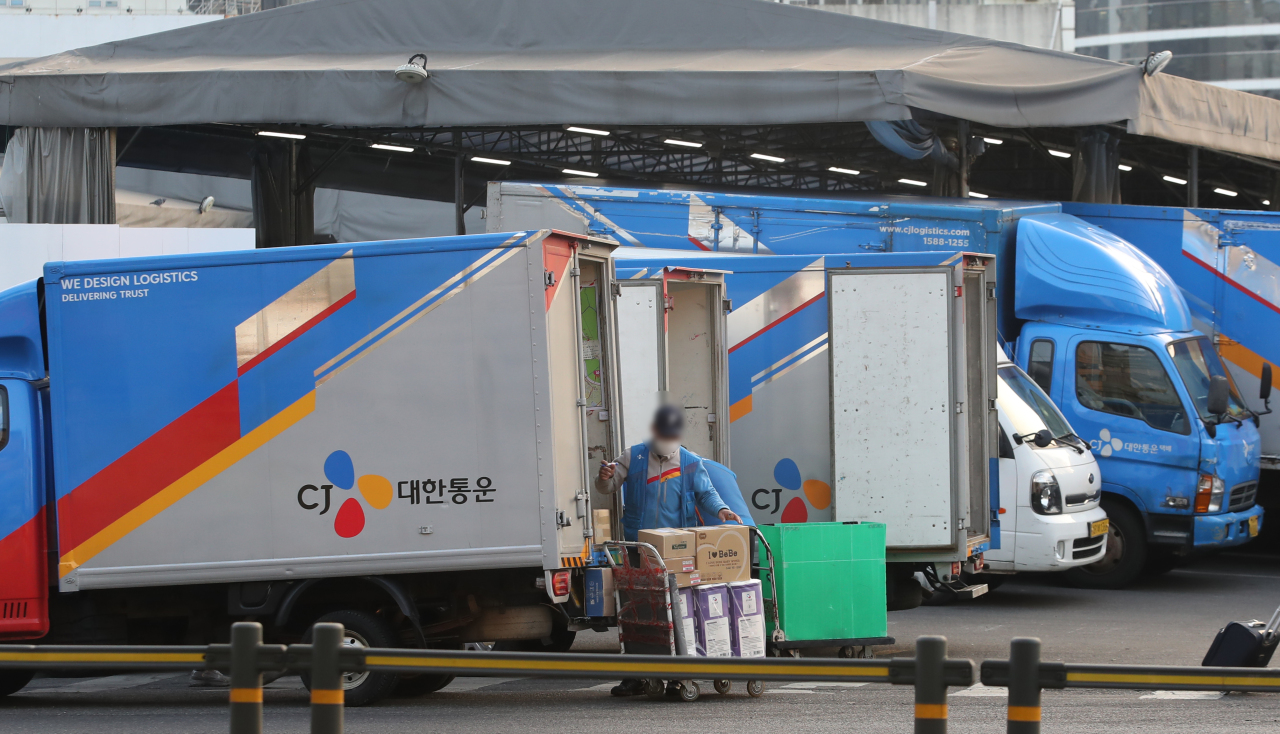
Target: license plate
[[1099, 527], [1253, 526]]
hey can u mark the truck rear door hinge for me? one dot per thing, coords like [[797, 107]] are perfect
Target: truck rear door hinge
[[728, 305], [562, 520], [582, 403], [959, 407], [548, 278], [617, 290]]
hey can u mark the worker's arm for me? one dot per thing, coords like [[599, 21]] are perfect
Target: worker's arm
[[708, 498], [612, 476]]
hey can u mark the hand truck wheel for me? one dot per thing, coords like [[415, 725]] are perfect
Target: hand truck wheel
[[755, 688], [723, 686], [689, 691], [654, 688]]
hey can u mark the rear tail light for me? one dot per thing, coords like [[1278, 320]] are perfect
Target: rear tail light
[[1209, 493], [560, 583]]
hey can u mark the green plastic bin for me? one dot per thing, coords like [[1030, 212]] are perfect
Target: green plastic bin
[[831, 580]]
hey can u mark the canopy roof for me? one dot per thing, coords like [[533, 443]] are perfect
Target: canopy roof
[[618, 62]]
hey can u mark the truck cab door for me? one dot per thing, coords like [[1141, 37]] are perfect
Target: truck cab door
[[24, 581], [1120, 395]]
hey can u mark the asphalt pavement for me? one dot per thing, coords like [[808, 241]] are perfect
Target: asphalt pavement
[[1167, 620]]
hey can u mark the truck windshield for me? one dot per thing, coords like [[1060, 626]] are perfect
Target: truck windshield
[[1197, 361], [1026, 406]]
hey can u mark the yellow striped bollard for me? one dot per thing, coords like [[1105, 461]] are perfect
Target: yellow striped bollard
[[931, 686], [1024, 686], [246, 678], [326, 679]]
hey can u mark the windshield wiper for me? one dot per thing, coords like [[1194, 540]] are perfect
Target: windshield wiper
[[1073, 441]]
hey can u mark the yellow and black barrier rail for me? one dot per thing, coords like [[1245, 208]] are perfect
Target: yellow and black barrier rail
[[246, 658], [1025, 675]]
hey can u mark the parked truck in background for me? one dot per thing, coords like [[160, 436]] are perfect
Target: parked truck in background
[[1182, 477], [392, 435], [859, 388], [1227, 265]]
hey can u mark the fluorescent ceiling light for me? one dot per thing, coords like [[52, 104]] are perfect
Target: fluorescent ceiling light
[[848, 171], [682, 143], [1125, 168], [993, 141], [575, 172], [273, 134], [770, 158], [912, 182], [1179, 181], [587, 131], [493, 161], [396, 148], [1266, 202], [976, 195], [1059, 153], [1224, 192]]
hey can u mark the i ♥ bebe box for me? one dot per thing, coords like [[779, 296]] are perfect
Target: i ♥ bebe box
[[724, 553]]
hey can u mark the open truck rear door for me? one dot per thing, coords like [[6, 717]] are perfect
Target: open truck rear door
[[914, 430]]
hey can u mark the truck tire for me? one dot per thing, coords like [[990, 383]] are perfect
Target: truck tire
[[413, 685], [362, 629], [1126, 554], [12, 681]]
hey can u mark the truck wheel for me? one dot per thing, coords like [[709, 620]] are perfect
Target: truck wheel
[[1126, 554], [12, 681], [362, 629]]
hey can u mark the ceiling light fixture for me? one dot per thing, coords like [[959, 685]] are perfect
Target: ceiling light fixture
[[682, 143], [1125, 168], [396, 148], [1059, 153], [770, 158], [976, 195], [273, 134], [587, 131], [1179, 181], [1225, 192], [413, 72], [492, 161], [993, 141], [575, 172], [846, 171], [912, 182]]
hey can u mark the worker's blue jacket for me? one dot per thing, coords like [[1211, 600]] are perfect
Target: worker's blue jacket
[[670, 500]]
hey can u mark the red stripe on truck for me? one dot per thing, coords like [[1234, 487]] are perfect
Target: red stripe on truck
[[149, 467], [24, 583]]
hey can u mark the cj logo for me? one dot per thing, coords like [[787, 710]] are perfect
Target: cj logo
[[341, 473], [1107, 444], [787, 474]]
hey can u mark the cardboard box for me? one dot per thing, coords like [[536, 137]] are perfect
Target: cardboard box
[[711, 620], [601, 526], [685, 580], [600, 599], [724, 553], [670, 542], [685, 618], [681, 565], [746, 619]]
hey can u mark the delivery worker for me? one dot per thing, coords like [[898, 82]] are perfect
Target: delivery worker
[[664, 485]]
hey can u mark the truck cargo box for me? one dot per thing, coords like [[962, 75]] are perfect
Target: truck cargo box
[[375, 408]]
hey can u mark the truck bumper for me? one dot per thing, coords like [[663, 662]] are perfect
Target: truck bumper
[[1227, 529], [1048, 542]]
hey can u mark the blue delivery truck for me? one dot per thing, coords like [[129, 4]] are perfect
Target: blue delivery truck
[[1227, 265], [396, 436], [1101, 327]]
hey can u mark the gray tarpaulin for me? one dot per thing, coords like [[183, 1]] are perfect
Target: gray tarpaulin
[[621, 62], [60, 176]]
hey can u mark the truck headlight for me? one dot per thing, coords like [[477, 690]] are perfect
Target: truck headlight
[[1046, 497], [1209, 493]]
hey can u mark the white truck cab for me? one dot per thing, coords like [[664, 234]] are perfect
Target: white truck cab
[[1050, 485]]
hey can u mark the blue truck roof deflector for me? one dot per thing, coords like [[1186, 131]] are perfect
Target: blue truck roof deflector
[[1071, 272], [21, 355]]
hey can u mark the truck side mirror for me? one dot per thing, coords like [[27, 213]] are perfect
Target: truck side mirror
[[1043, 438], [1219, 391], [1264, 392]]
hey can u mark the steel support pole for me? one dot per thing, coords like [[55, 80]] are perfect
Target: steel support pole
[[962, 154], [246, 678], [326, 679], [1024, 686], [931, 686], [1193, 177], [459, 205]]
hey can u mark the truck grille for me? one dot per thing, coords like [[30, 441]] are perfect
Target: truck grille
[[1082, 548], [1243, 496]]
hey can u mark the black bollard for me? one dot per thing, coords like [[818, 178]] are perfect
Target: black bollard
[[1024, 686], [931, 686]]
